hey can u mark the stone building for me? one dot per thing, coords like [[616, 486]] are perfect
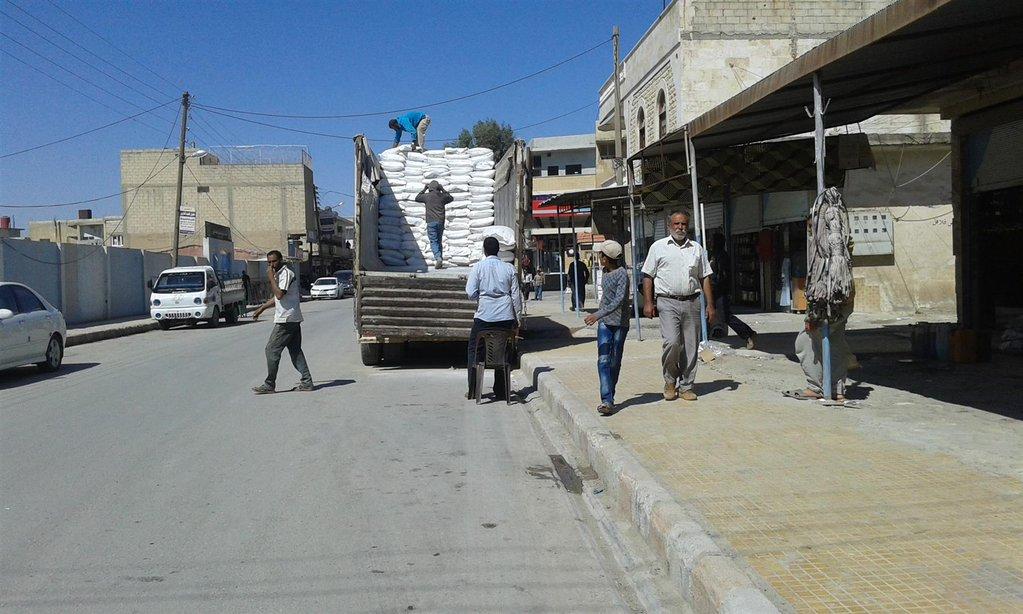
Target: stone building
[[84, 230], [700, 53], [264, 194]]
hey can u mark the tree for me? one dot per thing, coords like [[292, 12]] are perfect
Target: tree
[[486, 133]]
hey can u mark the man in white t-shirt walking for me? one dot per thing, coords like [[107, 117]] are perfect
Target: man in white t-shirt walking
[[675, 272], [287, 331]]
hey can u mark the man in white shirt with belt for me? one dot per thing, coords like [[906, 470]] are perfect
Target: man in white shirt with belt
[[674, 273], [495, 286], [287, 331]]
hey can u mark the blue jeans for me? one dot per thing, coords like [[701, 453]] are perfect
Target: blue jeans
[[538, 292], [610, 345], [435, 231]]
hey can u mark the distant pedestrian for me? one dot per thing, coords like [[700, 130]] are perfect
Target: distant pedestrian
[[676, 268], [435, 197], [612, 319], [722, 265], [538, 280], [528, 273], [578, 277], [246, 283], [493, 284], [287, 331], [416, 123]]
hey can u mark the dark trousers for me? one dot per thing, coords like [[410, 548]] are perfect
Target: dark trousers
[[578, 296], [478, 326], [741, 328], [286, 335]]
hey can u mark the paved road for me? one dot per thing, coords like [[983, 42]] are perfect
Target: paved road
[[146, 477]]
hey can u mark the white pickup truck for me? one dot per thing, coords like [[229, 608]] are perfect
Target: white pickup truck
[[190, 294]]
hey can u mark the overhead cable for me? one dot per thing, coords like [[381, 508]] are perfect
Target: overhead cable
[[420, 106], [75, 136]]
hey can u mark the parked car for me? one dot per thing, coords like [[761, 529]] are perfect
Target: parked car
[[326, 287], [347, 280], [31, 329]]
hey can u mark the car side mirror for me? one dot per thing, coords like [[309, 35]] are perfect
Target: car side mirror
[[149, 284], [6, 314]]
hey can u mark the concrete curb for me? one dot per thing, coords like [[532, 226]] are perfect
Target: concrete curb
[[707, 576], [89, 336]]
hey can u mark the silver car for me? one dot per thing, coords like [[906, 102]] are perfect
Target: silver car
[[31, 329]]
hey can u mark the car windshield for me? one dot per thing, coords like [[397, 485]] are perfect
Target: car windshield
[[325, 281], [345, 276], [191, 281]]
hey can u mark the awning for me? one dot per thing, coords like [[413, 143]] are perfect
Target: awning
[[775, 166], [608, 209], [890, 62]]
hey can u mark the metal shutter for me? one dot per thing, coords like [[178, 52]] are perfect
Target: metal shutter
[[993, 157]]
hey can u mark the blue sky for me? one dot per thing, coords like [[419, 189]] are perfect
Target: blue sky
[[311, 58]]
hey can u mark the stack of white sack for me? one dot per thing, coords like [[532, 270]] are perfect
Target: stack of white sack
[[505, 239], [467, 173]]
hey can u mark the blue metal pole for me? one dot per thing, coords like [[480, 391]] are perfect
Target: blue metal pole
[[698, 221]]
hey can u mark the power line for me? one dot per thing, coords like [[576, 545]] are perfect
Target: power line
[[421, 106], [75, 89], [115, 47], [90, 52], [76, 75], [75, 136]]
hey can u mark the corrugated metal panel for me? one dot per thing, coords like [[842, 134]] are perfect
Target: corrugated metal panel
[[782, 207], [994, 162], [715, 217], [746, 214]]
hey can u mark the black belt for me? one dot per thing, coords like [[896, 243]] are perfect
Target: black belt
[[676, 297]]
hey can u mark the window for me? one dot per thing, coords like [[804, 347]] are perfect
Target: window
[[26, 300], [117, 240], [536, 171], [7, 299], [552, 171], [573, 169], [662, 116], [641, 120], [202, 189], [537, 162]]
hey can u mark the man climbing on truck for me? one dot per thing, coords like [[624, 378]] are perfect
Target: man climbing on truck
[[416, 123], [435, 197], [287, 331]]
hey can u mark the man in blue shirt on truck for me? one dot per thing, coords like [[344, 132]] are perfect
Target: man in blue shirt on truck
[[416, 123]]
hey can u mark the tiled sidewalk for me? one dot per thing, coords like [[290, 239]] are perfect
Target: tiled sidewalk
[[883, 508]]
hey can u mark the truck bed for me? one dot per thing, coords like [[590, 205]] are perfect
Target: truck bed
[[399, 307]]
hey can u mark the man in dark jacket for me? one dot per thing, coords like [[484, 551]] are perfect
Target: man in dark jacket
[[578, 277], [434, 196]]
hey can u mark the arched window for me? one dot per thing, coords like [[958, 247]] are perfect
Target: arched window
[[662, 116], [641, 120]]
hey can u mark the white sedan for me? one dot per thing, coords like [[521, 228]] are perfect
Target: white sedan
[[326, 287], [31, 329]]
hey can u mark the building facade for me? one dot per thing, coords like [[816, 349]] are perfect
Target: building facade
[[264, 194], [84, 230], [700, 53]]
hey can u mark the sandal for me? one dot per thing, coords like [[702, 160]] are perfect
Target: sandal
[[801, 395], [605, 409]]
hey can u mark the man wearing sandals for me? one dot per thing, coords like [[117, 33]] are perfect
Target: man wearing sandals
[[676, 269]]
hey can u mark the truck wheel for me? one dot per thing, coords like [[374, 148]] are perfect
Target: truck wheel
[[215, 320], [164, 324], [371, 353], [231, 317]]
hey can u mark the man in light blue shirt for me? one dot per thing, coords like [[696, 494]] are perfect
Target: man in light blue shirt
[[495, 287], [415, 123]]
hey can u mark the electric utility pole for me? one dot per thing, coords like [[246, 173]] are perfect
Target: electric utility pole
[[181, 171], [619, 113]]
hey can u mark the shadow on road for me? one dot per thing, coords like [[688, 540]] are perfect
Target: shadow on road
[[23, 376], [332, 383]]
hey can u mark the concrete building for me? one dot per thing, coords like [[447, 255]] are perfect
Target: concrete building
[[700, 53], [7, 228], [84, 230], [265, 194], [559, 164]]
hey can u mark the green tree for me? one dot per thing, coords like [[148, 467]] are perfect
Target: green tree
[[486, 133]]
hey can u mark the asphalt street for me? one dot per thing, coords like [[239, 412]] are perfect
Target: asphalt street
[[145, 476]]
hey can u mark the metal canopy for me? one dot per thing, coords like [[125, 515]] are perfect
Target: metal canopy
[[569, 202], [889, 62]]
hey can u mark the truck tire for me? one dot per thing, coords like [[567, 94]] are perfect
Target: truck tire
[[231, 317], [371, 353], [215, 320], [164, 324]]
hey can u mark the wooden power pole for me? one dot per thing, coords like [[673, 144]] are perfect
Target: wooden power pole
[[181, 171]]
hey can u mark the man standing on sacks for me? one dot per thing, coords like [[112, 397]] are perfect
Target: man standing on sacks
[[435, 197], [676, 268]]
